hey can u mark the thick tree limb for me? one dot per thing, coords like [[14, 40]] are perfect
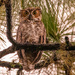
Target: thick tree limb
[[41, 47], [9, 22], [29, 47]]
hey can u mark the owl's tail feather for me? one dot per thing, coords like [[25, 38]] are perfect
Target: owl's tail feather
[[27, 67], [37, 57]]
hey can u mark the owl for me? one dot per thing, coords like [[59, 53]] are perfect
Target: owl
[[31, 29]]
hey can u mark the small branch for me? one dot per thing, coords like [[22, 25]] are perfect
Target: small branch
[[19, 66], [10, 49], [10, 65], [42, 64], [1, 2], [71, 48], [68, 44]]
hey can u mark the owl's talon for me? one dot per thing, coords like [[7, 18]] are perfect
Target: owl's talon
[[33, 42], [27, 42]]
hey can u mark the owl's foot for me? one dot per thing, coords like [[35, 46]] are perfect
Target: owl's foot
[[31, 66], [28, 67], [27, 42]]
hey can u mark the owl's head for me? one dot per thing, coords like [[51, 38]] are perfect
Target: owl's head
[[33, 13]]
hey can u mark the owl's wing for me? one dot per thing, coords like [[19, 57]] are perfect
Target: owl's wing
[[18, 39], [42, 40], [44, 36]]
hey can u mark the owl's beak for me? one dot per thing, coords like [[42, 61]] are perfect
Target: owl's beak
[[30, 17]]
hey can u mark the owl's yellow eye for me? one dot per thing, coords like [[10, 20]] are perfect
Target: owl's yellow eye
[[36, 13], [24, 13]]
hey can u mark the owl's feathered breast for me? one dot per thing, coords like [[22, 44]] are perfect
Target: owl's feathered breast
[[31, 31]]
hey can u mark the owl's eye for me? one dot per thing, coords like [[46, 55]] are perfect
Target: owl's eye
[[36, 13], [26, 13]]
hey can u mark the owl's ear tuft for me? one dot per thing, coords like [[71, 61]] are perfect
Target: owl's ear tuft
[[21, 12], [38, 8]]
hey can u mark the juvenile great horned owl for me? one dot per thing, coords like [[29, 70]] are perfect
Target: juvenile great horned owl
[[32, 30]]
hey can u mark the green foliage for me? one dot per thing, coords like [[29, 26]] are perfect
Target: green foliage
[[55, 29], [51, 25]]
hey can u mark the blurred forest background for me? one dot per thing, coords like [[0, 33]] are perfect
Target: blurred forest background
[[58, 17]]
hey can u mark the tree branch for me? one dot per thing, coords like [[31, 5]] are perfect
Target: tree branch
[[11, 49], [4, 52], [1, 2], [19, 66], [42, 64], [9, 21], [10, 65], [40, 47], [29, 47]]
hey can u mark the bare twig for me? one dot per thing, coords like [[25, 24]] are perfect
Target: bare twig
[[1, 2], [17, 65]]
